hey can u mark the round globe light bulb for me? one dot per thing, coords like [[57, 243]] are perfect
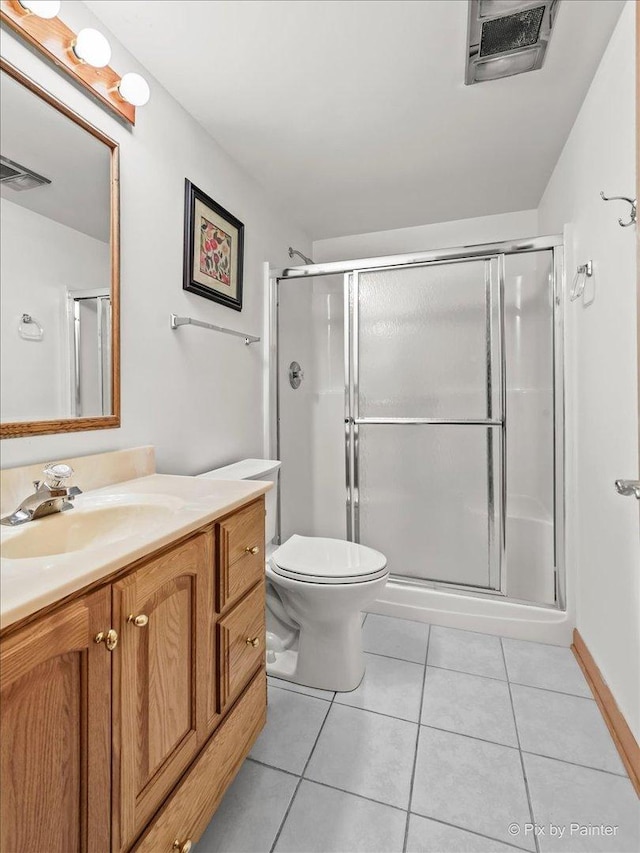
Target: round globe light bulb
[[42, 8], [134, 89], [92, 47]]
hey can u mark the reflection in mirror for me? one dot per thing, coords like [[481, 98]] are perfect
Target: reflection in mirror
[[55, 263], [89, 315]]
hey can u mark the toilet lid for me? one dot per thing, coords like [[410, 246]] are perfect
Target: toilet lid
[[313, 559]]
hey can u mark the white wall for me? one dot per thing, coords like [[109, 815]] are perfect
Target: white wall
[[196, 395], [39, 261], [443, 235], [603, 434]]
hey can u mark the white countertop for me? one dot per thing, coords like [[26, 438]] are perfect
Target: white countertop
[[29, 584]]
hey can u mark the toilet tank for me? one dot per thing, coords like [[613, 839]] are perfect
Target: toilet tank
[[254, 469]]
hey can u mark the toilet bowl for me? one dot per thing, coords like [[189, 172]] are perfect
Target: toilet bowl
[[316, 590], [323, 585]]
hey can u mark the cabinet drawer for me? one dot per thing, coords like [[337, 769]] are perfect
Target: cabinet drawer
[[240, 553], [190, 809], [241, 644]]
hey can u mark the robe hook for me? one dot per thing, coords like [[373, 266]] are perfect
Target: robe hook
[[631, 201]]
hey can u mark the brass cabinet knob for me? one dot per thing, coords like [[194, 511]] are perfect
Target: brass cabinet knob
[[109, 638], [253, 550], [253, 641], [140, 621], [183, 847]]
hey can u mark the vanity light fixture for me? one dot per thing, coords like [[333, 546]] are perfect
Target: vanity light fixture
[[134, 89], [83, 56], [92, 47], [42, 8]]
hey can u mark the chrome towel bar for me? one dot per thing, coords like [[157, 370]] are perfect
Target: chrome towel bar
[[189, 321]]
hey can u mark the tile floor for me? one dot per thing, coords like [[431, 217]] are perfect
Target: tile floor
[[453, 743]]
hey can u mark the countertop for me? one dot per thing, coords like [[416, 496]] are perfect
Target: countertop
[[29, 584]]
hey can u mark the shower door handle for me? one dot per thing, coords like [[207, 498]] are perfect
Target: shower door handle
[[628, 488]]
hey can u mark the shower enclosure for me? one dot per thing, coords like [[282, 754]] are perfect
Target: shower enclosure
[[89, 324], [418, 405]]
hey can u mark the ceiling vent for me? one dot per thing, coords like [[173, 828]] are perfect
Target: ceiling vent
[[18, 177], [507, 37]]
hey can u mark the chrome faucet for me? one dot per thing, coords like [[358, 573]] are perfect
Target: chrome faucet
[[51, 495]]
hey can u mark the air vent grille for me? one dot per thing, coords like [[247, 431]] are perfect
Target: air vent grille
[[7, 173], [18, 177], [511, 32], [508, 37]]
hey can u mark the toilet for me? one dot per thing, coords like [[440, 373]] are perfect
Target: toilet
[[316, 590]]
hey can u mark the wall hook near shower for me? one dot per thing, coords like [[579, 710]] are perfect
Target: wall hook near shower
[[632, 201], [29, 329], [583, 272]]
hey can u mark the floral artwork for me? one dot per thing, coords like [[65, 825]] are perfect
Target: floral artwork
[[215, 252], [213, 249]]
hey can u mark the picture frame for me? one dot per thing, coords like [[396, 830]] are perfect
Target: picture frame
[[213, 249]]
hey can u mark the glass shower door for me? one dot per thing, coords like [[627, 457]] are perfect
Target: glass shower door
[[426, 419]]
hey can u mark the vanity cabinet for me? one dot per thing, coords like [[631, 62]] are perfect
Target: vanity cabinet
[[127, 711], [55, 721], [162, 675]]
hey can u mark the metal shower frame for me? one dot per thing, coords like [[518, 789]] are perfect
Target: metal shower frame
[[487, 251]]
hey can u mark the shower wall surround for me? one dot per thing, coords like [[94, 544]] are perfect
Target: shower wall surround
[[171, 384]]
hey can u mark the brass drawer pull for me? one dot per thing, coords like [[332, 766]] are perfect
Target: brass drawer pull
[[255, 642], [253, 550], [182, 848], [109, 638], [140, 621]]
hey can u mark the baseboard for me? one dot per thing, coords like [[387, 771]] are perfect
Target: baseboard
[[622, 735]]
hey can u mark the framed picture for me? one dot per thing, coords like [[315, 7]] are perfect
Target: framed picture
[[213, 249]]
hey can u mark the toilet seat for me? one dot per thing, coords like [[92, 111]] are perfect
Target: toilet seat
[[316, 560]]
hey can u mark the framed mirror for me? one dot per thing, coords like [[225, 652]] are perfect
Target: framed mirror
[[59, 266]]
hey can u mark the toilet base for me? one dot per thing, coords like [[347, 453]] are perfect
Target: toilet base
[[329, 658]]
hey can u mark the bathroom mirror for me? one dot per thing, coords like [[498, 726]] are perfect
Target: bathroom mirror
[[59, 276]]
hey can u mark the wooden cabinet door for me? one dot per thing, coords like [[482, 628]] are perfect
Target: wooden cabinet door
[[164, 613], [55, 771]]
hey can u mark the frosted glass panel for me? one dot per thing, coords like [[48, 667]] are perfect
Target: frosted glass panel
[[423, 341], [528, 308], [425, 500], [312, 480]]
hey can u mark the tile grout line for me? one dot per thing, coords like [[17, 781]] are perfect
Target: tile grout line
[[623, 775], [392, 657], [327, 785], [471, 737], [300, 693], [524, 771], [471, 831], [503, 680], [415, 752], [306, 764], [449, 669]]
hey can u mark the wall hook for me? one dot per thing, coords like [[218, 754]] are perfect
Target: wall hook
[[631, 201]]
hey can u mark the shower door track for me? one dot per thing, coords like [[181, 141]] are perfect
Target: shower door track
[[553, 243]]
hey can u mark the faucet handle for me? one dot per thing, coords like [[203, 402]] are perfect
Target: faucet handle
[[55, 473]]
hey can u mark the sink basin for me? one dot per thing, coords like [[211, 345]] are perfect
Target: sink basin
[[92, 523]]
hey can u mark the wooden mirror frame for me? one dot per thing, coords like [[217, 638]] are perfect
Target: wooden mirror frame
[[22, 428]]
